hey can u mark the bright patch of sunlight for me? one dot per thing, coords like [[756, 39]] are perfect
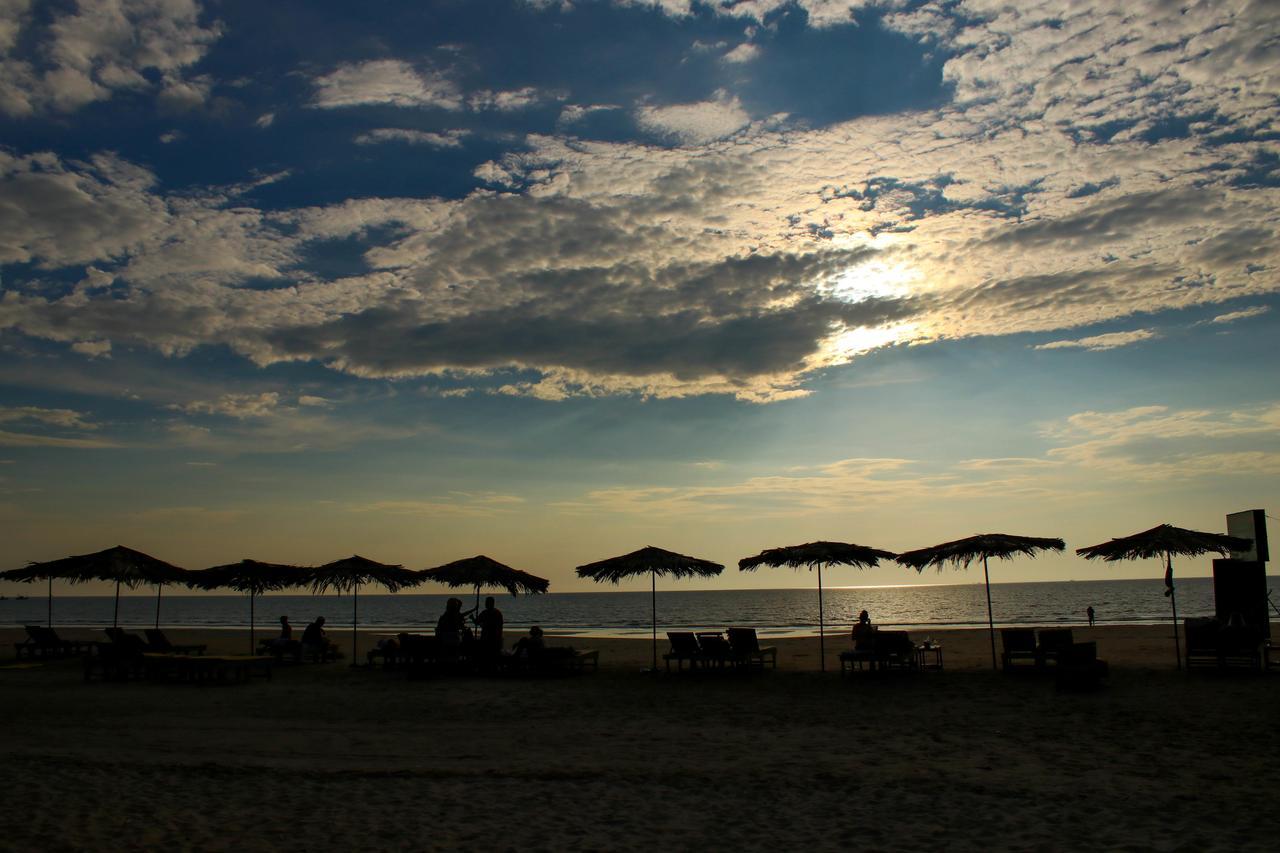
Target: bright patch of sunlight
[[874, 279]]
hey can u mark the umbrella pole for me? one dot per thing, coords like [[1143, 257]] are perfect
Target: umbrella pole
[[991, 622], [51, 601], [822, 632], [1173, 600], [252, 647], [115, 615], [355, 604], [159, 589], [653, 584]]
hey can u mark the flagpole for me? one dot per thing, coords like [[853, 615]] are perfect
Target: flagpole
[[1173, 600]]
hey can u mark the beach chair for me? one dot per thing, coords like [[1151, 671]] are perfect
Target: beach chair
[[684, 647], [865, 651], [157, 642], [1053, 643], [747, 650], [896, 650], [1211, 643], [715, 650], [46, 642], [1078, 667], [1018, 647]]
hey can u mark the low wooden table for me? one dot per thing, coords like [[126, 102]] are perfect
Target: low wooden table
[[929, 656]]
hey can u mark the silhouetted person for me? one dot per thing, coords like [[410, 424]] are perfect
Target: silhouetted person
[[864, 619], [314, 639], [1089, 612], [449, 628], [490, 622], [528, 648], [285, 643]]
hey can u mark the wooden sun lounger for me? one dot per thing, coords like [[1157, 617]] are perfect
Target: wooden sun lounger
[[1052, 644], [220, 669], [747, 650], [46, 642], [684, 647], [1019, 647]]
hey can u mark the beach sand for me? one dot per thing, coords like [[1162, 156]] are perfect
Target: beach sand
[[324, 756]]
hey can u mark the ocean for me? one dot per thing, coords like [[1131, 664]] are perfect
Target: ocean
[[774, 612]]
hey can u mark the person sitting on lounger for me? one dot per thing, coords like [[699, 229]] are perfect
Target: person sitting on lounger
[[314, 639], [531, 646]]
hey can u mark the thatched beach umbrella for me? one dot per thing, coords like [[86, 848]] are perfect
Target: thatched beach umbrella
[[1165, 541], [120, 564], [350, 573], [654, 561], [813, 555], [484, 572], [253, 577], [962, 552], [38, 572]]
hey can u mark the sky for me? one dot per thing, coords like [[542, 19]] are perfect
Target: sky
[[553, 281]]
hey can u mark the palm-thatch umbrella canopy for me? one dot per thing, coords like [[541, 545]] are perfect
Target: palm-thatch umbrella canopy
[[484, 572], [962, 552], [120, 564], [350, 573], [815, 555], [1165, 540], [253, 577], [654, 561]]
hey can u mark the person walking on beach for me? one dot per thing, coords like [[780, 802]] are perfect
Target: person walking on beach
[[1089, 612]]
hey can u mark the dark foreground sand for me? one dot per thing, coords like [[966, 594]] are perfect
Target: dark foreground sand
[[324, 757]]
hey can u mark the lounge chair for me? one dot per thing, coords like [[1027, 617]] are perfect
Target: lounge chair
[[46, 642], [1053, 643], [747, 650], [866, 649], [1078, 667], [896, 649], [684, 647], [1019, 647], [159, 643], [715, 649], [1211, 643]]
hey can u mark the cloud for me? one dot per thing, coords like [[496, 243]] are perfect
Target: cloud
[[1243, 314], [238, 406], [695, 123], [1093, 166], [265, 120], [516, 99], [385, 81], [93, 349], [1099, 343], [447, 139], [99, 49], [60, 418], [1156, 443], [744, 52], [453, 505]]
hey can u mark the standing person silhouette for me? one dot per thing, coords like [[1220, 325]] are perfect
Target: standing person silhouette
[[1089, 612], [490, 622]]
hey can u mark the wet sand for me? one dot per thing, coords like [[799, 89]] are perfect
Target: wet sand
[[324, 756]]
